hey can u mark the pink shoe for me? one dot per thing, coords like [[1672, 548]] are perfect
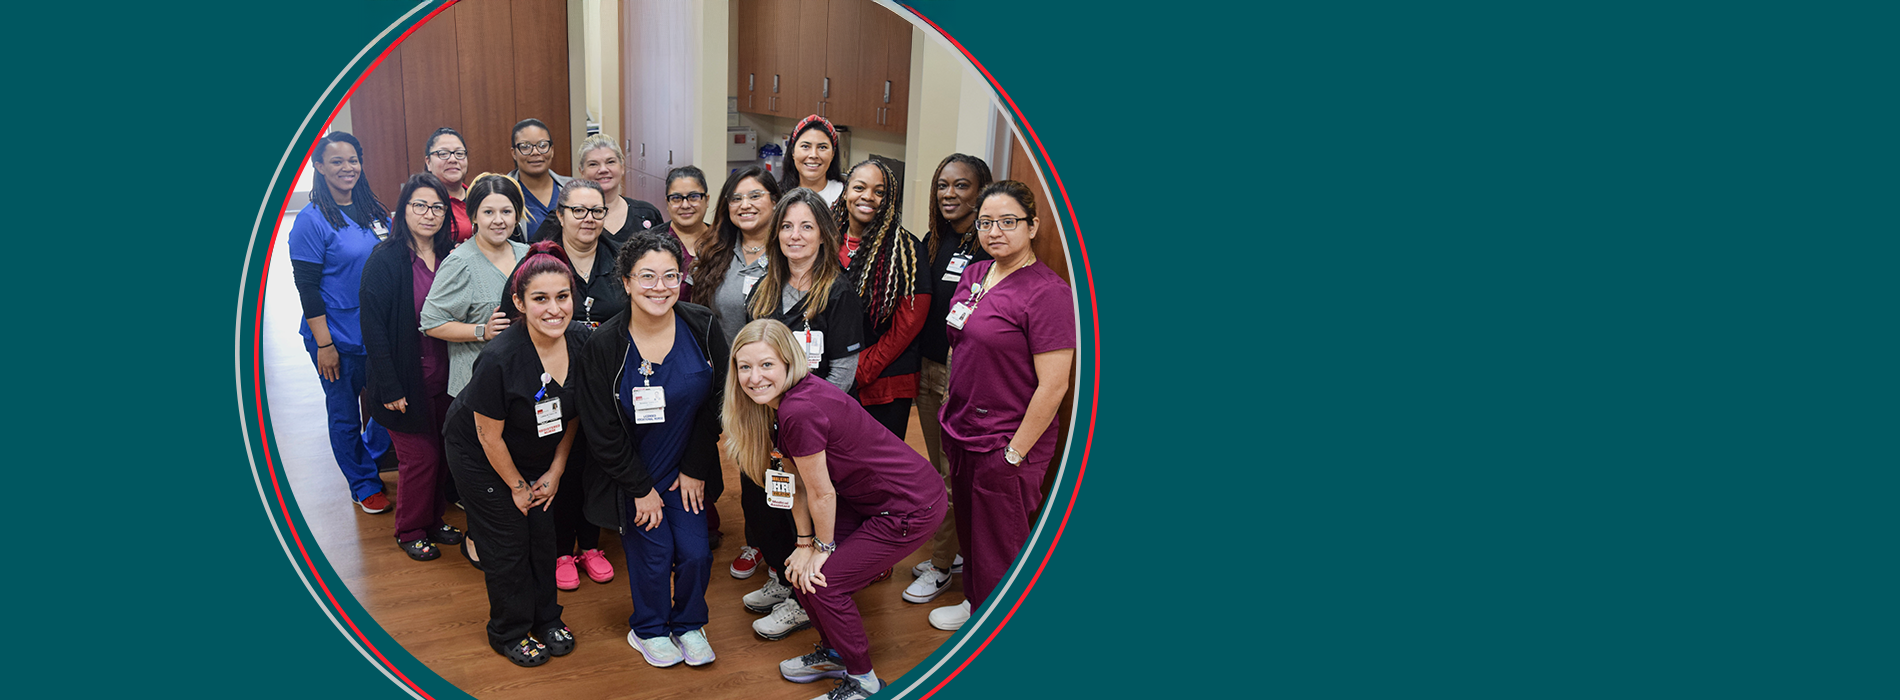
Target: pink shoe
[[598, 568], [565, 577]]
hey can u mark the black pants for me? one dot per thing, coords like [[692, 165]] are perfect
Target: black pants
[[771, 530], [894, 415], [517, 550], [570, 523]]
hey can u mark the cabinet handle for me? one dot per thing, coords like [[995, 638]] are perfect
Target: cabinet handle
[[887, 92], [827, 91], [669, 156], [774, 83], [643, 150], [750, 85]]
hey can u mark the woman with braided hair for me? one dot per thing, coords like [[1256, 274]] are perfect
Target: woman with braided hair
[[885, 266]]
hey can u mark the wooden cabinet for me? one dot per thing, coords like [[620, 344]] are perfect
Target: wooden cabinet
[[832, 58]]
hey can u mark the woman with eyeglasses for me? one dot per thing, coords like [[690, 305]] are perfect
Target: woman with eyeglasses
[[805, 288], [576, 225], [600, 160], [1012, 334], [409, 371], [861, 499], [812, 160], [733, 260], [329, 242], [949, 247], [649, 393], [445, 157], [533, 150], [508, 436], [686, 201]]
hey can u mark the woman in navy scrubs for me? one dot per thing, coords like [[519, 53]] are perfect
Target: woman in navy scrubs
[[409, 371], [862, 499], [329, 242], [1012, 333], [649, 392], [508, 435], [805, 288]]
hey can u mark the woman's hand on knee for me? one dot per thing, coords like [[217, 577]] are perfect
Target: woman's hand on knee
[[646, 510]]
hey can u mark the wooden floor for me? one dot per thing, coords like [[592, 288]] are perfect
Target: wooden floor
[[437, 610]]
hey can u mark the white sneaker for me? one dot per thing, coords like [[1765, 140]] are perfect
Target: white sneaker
[[956, 567], [820, 663], [694, 647], [763, 600], [659, 651], [785, 619], [950, 617], [929, 584]]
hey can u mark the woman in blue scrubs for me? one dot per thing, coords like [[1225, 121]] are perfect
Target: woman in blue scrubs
[[329, 242]]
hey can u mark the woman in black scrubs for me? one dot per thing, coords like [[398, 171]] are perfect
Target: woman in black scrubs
[[950, 247], [575, 223], [600, 161], [508, 436], [806, 289]]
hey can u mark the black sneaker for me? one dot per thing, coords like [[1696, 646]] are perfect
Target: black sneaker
[[420, 550], [445, 534]]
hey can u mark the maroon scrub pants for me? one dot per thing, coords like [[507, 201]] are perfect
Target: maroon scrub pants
[[995, 501], [866, 547], [420, 470]]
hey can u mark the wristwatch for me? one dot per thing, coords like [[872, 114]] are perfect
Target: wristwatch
[[1011, 456], [481, 329]]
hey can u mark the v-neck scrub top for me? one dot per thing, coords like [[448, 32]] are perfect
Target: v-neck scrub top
[[603, 294], [992, 359], [687, 380], [467, 290], [873, 471], [729, 299], [341, 252], [505, 382]]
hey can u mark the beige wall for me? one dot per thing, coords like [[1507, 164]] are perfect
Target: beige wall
[[951, 110], [717, 47]]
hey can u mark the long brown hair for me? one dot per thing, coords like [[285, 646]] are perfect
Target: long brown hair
[[940, 228], [709, 267], [825, 269], [747, 423], [887, 254]]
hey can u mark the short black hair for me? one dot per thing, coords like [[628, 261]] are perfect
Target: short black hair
[[525, 123], [646, 242]]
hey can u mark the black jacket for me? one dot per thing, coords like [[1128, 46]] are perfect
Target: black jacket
[[614, 467], [391, 338]]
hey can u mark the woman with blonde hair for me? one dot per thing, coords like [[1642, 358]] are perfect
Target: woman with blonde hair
[[600, 161], [862, 500]]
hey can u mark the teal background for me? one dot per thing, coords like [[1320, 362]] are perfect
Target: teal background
[[1493, 350]]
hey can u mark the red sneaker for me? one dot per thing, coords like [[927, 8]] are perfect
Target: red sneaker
[[565, 577], [747, 564], [375, 503], [597, 566]]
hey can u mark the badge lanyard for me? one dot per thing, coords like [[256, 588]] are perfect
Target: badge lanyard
[[649, 401], [960, 312]]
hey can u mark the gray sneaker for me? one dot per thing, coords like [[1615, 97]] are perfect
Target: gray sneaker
[[820, 663], [848, 688], [764, 599], [785, 619], [694, 647], [658, 651]]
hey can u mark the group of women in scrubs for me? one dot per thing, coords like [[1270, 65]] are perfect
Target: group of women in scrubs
[[586, 381]]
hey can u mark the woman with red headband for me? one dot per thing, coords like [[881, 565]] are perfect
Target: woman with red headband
[[812, 160], [508, 435]]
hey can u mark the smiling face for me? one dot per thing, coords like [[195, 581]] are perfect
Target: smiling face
[[799, 237], [1001, 244], [424, 212], [956, 195], [681, 203], [495, 219], [864, 193], [584, 230], [660, 269], [761, 372], [540, 149], [811, 153], [754, 206], [340, 165], [546, 303], [603, 167], [443, 162]]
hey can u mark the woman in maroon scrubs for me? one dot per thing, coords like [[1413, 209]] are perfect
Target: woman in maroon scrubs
[[1012, 344], [862, 499]]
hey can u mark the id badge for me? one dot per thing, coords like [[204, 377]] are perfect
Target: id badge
[[814, 343], [749, 281], [959, 312], [381, 231], [779, 487], [955, 271], [547, 417], [649, 405]]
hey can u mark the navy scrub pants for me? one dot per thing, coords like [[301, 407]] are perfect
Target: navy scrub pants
[[356, 440], [668, 568]]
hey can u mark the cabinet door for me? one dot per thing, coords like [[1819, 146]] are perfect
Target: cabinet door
[[843, 103], [811, 19], [897, 32], [778, 45], [753, 87], [873, 62]]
